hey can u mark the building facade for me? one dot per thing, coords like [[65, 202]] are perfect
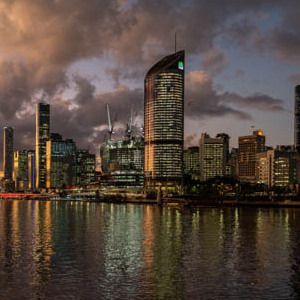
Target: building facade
[[249, 146], [212, 157], [123, 162], [263, 168], [60, 162], [278, 167], [226, 139], [85, 167], [192, 162], [164, 124], [42, 135], [8, 152], [31, 170], [232, 164], [20, 173]]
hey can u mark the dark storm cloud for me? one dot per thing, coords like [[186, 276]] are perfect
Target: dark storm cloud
[[84, 117], [285, 39], [256, 101], [274, 32], [245, 33], [40, 40], [214, 61], [294, 78], [204, 101], [15, 88]]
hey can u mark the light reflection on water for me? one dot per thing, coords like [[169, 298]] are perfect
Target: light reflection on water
[[76, 250]]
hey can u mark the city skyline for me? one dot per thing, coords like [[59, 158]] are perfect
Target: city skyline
[[150, 149], [232, 78]]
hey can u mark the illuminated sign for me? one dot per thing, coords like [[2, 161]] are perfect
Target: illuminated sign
[[260, 132], [180, 65]]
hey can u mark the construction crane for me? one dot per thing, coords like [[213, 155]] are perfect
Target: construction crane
[[129, 126], [110, 125]]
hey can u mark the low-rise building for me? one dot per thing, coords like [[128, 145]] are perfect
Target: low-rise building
[[278, 167]]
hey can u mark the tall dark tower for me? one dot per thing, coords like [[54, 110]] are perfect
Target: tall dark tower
[[42, 135], [164, 124], [8, 152], [297, 118]]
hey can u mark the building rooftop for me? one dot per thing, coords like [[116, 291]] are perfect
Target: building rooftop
[[173, 61]]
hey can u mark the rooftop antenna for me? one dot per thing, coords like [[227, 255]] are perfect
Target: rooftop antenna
[[110, 126], [175, 42]]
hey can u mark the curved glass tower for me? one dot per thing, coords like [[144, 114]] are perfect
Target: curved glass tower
[[164, 124], [42, 135]]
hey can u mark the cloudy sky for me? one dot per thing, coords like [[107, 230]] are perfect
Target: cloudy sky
[[242, 63]]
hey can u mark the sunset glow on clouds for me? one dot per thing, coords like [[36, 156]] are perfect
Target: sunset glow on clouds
[[241, 56]]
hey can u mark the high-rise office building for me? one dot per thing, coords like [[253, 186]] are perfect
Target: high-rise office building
[[60, 162], [226, 139], [31, 170], [164, 124], [20, 174], [42, 135], [212, 156], [297, 118], [8, 152], [249, 146], [85, 167]]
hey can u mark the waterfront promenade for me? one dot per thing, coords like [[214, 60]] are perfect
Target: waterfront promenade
[[164, 201]]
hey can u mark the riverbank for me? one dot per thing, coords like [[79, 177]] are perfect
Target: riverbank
[[177, 202]]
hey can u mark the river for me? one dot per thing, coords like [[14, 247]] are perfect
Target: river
[[80, 250]]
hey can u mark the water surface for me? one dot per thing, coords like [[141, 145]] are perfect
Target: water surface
[[69, 250]]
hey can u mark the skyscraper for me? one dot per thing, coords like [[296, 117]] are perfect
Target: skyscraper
[[42, 135], [164, 124], [297, 118], [85, 167], [60, 162], [212, 156], [20, 174], [8, 152], [31, 170], [249, 146], [226, 139]]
